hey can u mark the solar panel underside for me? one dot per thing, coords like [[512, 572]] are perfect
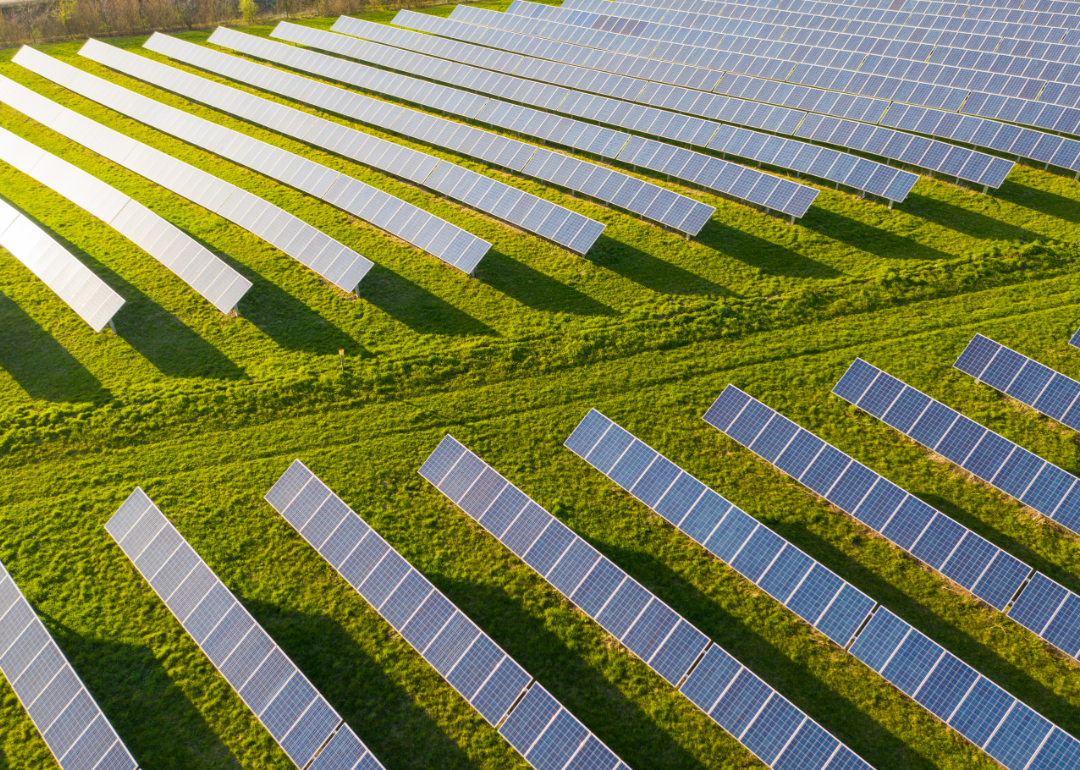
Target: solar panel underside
[[938, 541], [996, 460], [814, 593], [502, 201], [761, 719], [891, 647], [1022, 378], [880, 84], [538, 727], [288, 706], [402, 219], [656, 155], [622, 190], [90, 297], [857, 122], [71, 722], [590, 98]]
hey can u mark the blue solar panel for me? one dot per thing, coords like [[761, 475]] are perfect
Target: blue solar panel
[[489, 679], [649, 628], [755, 551], [282, 698]]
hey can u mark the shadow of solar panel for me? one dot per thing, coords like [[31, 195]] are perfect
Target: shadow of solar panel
[[649, 628], [73, 726], [466, 657], [285, 702]]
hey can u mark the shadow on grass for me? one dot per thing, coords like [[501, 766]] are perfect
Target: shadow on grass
[[1042, 201], [393, 724], [625, 727], [153, 717], [420, 310], [872, 240], [973, 223], [649, 271], [157, 335], [983, 658], [757, 252], [39, 364], [844, 719], [534, 289]]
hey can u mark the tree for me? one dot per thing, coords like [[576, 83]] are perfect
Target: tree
[[248, 10], [63, 12]]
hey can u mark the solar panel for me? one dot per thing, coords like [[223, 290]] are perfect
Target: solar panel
[[91, 298], [526, 715], [994, 459], [825, 601], [1019, 377], [648, 120], [767, 725], [346, 141], [74, 728], [324, 183], [683, 81], [406, 88], [300, 720]]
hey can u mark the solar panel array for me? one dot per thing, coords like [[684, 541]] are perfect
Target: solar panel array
[[288, 706], [890, 646], [1022, 378], [981, 452], [761, 719], [441, 239], [76, 731], [1025, 71], [930, 536], [950, 159], [982, 132], [502, 201], [533, 722], [814, 593], [796, 110], [330, 259], [618, 189], [849, 72], [90, 297], [863, 175]]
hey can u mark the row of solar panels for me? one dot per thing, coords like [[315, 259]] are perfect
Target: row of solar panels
[[854, 129], [429, 233], [616, 188], [799, 24], [837, 167], [1008, 108], [828, 64], [936, 679], [982, 132], [755, 714], [530, 212], [89, 296], [804, 158]]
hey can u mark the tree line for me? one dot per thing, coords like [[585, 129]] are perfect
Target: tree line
[[56, 20]]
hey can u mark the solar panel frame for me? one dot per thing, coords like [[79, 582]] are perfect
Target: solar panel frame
[[474, 665]]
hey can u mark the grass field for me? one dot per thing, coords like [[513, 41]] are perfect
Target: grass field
[[204, 412]]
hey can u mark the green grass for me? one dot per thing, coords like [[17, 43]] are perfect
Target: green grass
[[204, 412]]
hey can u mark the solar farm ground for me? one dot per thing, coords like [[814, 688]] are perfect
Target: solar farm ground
[[204, 412]]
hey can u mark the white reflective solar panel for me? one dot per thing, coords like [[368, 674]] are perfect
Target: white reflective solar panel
[[220, 284], [298, 717], [467, 658], [74, 728], [199, 186]]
